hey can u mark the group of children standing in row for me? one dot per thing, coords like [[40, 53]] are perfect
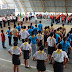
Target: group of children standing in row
[[59, 46]]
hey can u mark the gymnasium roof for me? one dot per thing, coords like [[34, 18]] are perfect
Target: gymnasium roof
[[39, 5]]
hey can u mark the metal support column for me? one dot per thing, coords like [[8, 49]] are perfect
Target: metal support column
[[43, 5], [66, 5], [22, 2]]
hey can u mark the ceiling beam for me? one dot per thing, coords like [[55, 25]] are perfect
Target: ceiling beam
[[42, 2], [66, 5], [15, 1], [5, 2], [22, 2]]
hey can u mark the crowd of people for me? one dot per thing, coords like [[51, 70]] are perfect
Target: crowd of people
[[12, 19], [64, 18], [35, 40], [56, 18]]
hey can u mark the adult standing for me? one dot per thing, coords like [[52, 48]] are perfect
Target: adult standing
[[51, 45], [14, 19], [15, 34], [40, 26], [24, 34], [11, 19], [9, 35], [4, 21], [8, 20], [58, 57], [33, 40], [0, 21]]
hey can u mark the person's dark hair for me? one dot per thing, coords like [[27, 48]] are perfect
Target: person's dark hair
[[24, 27], [64, 39], [35, 25], [51, 34], [59, 40], [21, 24], [32, 33], [68, 35], [60, 27], [55, 34], [31, 24], [51, 25], [41, 48], [48, 27], [14, 26], [15, 44], [39, 21], [30, 27], [59, 46], [9, 28], [39, 31], [45, 27], [62, 24], [18, 23], [54, 31], [26, 40], [2, 31]]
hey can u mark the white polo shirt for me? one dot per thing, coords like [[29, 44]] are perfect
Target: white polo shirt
[[0, 18], [51, 42], [24, 34], [16, 51], [42, 56], [14, 17], [25, 47], [59, 57], [14, 31], [39, 37], [8, 18], [11, 18]]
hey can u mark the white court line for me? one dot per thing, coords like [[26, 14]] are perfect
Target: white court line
[[21, 64]]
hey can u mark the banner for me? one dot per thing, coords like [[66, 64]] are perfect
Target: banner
[[4, 6]]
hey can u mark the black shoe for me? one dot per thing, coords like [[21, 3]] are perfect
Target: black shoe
[[50, 63], [10, 45], [4, 47]]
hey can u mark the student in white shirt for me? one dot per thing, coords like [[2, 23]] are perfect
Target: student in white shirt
[[14, 19], [11, 19], [41, 58], [4, 21], [51, 45], [16, 54], [14, 31], [0, 21], [24, 34], [8, 19], [39, 36], [26, 48], [58, 56]]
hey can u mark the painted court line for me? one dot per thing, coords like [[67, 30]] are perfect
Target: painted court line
[[21, 64]]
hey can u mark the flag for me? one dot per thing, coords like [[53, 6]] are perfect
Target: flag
[[20, 15]]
